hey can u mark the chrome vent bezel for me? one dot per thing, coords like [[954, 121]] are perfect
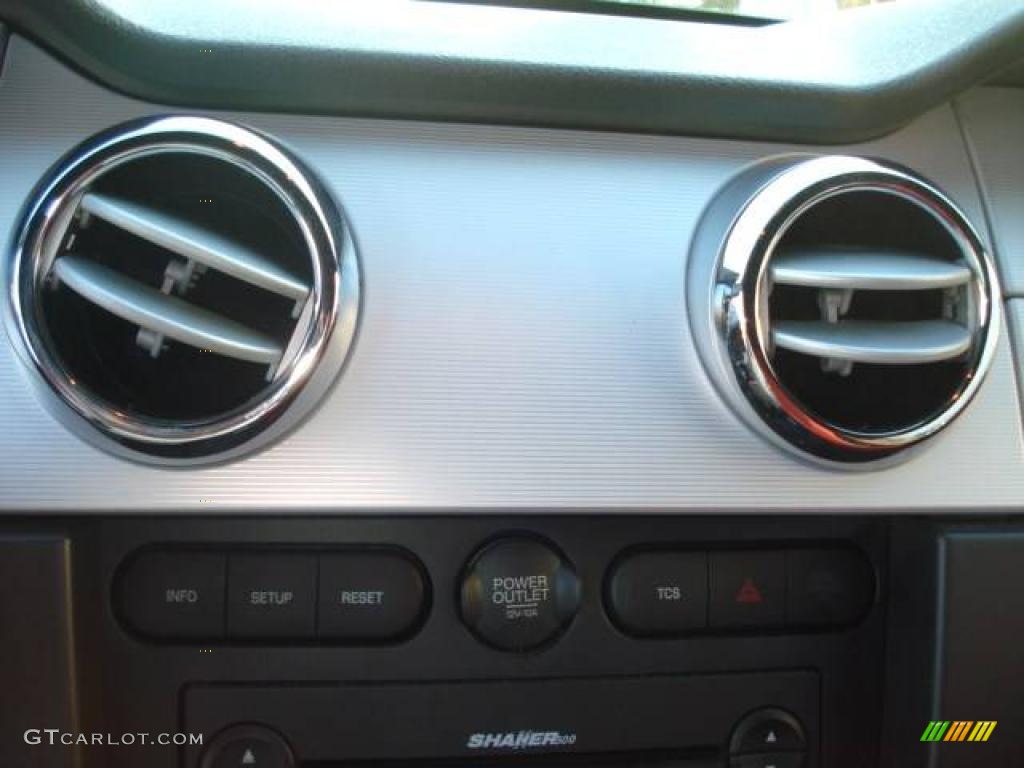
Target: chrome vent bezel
[[732, 250], [314, 355]]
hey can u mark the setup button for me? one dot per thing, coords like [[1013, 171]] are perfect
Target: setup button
[[272, 596], [519, 593]]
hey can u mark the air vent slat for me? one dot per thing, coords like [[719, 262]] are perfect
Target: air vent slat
[[848, 268], [187, 239], [168, 315], [874, 342]]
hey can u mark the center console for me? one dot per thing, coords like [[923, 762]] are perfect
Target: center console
[[555, 640]]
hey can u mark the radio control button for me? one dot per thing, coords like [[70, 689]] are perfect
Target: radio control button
[[173, 595], [519, 593], [659, 593], [248, 746], [369, 596], [768, 730]]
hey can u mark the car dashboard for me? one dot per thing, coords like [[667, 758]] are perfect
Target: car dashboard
[[385, 387]]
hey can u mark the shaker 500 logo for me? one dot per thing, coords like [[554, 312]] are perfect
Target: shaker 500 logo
[[520, 739]]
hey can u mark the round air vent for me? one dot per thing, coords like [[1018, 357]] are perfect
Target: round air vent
[[184, 288], [845, 303]]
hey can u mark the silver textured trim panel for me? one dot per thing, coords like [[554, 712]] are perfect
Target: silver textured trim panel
[[169, 315], [523, 342], [1015, 321], [993, 122], [881, 343]]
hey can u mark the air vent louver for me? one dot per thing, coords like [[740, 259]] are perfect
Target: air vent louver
[[185, 288], [854, 309]]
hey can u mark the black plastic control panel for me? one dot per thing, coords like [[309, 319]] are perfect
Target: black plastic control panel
[[518, 592], [668, 592], [400, 639], [372, 595]]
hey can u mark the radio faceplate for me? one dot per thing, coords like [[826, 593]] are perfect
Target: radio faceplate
[[682, 718]]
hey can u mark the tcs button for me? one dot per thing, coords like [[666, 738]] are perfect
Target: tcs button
[[659, 593], [519, 593]]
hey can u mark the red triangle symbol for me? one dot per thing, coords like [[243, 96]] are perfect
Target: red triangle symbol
[[749, 593]]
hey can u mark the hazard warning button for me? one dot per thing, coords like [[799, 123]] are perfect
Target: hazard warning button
[[747, 589]]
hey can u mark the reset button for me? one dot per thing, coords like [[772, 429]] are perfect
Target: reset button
[[369, 596]]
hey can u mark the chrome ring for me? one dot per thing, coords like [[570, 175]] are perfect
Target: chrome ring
[[303, 377], [727, 300]]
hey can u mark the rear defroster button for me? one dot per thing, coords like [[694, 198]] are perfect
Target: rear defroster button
[[519, 593]]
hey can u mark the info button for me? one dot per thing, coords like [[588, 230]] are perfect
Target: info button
[[369, 596], [169, 595]]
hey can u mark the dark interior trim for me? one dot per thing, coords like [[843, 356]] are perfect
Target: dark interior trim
[[3, 47], [619, 8], [841, 78]]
